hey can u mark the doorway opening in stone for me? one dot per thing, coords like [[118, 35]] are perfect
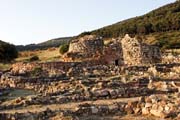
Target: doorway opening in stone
[[116, 62]]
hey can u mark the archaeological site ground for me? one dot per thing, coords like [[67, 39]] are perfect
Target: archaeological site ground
[[124, 79], [126, 71]]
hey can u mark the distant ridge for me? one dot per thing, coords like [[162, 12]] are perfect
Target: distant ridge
[[160, 27], [44, 45]]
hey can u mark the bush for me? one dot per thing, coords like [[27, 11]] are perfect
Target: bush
[[8, 52], [64, 48], [34, 58]]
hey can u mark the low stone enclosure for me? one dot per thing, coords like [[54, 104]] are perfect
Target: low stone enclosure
[[128, 51], [152, 89], [55, 72]]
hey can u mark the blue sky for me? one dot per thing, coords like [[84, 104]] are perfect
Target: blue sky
[[34, 21]]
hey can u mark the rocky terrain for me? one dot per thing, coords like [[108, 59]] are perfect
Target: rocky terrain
[[121, 81]]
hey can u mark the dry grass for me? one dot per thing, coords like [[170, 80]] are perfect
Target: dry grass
[[51, 54], [4, 66], [173, 37], [173, 51]]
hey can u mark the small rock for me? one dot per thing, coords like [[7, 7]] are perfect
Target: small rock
[[154, 106], [167, 108], [147, 105], [129, 109], [145, 111], [94, 110], [158, 113], [160, 108], [137, 110]]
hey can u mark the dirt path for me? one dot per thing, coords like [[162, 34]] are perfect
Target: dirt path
[[70, 106]]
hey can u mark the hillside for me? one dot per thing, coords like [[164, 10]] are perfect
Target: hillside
[[47, 44], [165, 20], [47, 55]]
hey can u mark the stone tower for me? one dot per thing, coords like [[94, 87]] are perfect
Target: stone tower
[[89, 46], [135, 52]]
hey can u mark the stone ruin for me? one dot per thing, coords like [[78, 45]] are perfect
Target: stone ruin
[[135, 52], [84, 47], [112, 53], [128, 51], [95, 89], [158, 97]]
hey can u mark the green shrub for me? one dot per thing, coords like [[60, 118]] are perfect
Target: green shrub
[[63, 48], [34, 58], [163, 43]]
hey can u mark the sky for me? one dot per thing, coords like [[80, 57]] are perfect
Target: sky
[[33, 21]]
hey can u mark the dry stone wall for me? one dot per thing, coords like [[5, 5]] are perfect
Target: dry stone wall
[[56, 68], [84, 47], [113, 52], [135, 52], [127, 51], [130, 51], [86, 44]]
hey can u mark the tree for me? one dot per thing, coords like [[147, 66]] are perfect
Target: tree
[[8, 52]]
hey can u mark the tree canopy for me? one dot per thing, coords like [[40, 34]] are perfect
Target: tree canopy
[[7, 51]]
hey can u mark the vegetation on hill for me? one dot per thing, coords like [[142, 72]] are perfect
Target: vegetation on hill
[[164, 19], [64, 48], [165, 40], [44, 45], [7, 52], [34, 58]]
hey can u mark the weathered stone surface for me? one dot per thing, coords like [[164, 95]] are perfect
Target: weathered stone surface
[[135, 52], [23, 68], [158, 113], [94, 110], [84, 47], [145, 111], [129, 51], [113, 54]]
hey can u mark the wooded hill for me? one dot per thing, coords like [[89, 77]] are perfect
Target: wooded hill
[[157, 24], [7, 52], [44, 45]]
